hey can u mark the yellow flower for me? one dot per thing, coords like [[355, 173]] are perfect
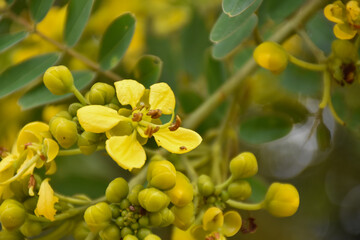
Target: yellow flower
[[7, 170], [217, 225], [128, 130], [347, 18], [45, 204]]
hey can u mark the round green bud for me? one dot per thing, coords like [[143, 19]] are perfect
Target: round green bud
[[126, 231], [98, 216], [271, 56], [73, 108], [13, 235], [58, 80], [134, 226], [281, 200], [155, 219], [183, 192], [130, 237], [243, 165], [62, 114], [101, 94], [117, 190], [120, 221], [111, 232], [211, 200], [124, 204], [30, 204], [161, 174], [133, 195], [167, 217], [115, 210], [184, 216], [144, 221], [153, 200], [152, 237], [81, 231], [31, 228], [142, 233], [12, 214], [88, 142], [205, 185], [224, 196], [239, 190], [345, 50], [64, 131]]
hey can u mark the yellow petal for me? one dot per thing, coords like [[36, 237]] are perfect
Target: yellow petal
[[6, 171], [51, 149], [46, 202], [180, 141], [344, 31], [213, 219], [31, 133], [162, 97], [198, 232], [178, 234], [51, 168], [232, 223], [98, 119], [126, 151], [353, 10], [129, 92], [335, 12], [121, 129]]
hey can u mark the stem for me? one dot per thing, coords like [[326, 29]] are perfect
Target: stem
[[72, 200], [75, 151], [257, 36], [93, 65], [79, 96], [335, 115], [189, 169], [326, 92], [290, 26], [245, 206], [307, 65], [91, 236], [215, 168], [223, 185]]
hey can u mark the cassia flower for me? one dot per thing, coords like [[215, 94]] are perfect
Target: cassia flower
[[45, 204], [127, 130]]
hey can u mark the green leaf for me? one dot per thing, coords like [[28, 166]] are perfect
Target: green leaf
[[215, 73], [259, 188], [292, 108], [39, 9], [148, 70], [264, 128], [223, 48], [236, 7], [10, 39], [116, 40], [277, 10], [40, 95], [323, 136], [18, 76], [226, 26], [78, 12]]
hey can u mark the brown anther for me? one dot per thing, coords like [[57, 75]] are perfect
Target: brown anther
[[155, 113], [147, 131], [248, 226], [32, 181], [3, 152], [183, 148], [137, 117], [154, 130], [176, 124], [349, 72], [150, 131], [42, 157], [132, 208], [27, 144]]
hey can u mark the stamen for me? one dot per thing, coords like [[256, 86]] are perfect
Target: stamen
[[176, 125], [150, 131], [42, 157], [137, 117], [155, 113], [31, 185], [26, 145]]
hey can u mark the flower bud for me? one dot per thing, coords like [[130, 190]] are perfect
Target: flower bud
[[133, 195], [31, 228], [12, 214], [144, 221], [239, 190], [345, 50], [88, 142], [243, 165], [167, 217], [271, 56], [58, 80], [183, 192], [101, 94], [205, 185], [153, 200], [143, 232], [64, 131], [126, 231], [161, 174], [117, 190], [12, 235], [98, 216], [81, 231], [73, 108], [152, 237], [130, 237], [184, 216], [110, 232], [281, 200]]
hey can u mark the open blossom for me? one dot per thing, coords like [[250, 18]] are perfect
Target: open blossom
[[127, 130]]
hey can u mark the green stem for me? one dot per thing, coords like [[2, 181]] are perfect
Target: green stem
[[327, 90], [72, 200], [79, 96], [334, 113], [245, 206], [215, 168], [139, 178], [230, 85], [223, 185], [317, 52], [59, 232], [189, 169], [307, 65], [75, 151]]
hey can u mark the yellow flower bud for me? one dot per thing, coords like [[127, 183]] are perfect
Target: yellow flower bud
[[161, 174], [12, 214], [117, 190], [184, 216], [243, 165], [213, 219], [152, 237], [271, 56], [130, 237], [12, 235], [143, 232], [162, 218], [101, 94], [153, 200], [31, 228], [58, 80], [73, 108], [88, 142], [205, 185], [239, 190], [110, 232], [183, 192], [98, 216], [281, 200], [64, 131]]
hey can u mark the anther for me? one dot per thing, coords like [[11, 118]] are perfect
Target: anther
[[155, 113], [183, 148], [27, 144], [176, 124], [137, 117]]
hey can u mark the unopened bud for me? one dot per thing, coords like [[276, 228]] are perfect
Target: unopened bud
[[12, 214], [98, 216], [271, 56], [161, 174], [117, 190], [58, 80], [153, 200], [64, 131], [101, 94], [239, 190], [205, 185], [243, 165], [183, 192]]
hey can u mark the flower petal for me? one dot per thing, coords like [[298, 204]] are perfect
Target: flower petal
[[335, 12], [232, 223], [344, 31], [180, 141], [31, 133], [98, 119], [129, 92], [50, 168], [45, 204], [126, 151], [162, 97], [213, 219], [51, 149], [6, 172]]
